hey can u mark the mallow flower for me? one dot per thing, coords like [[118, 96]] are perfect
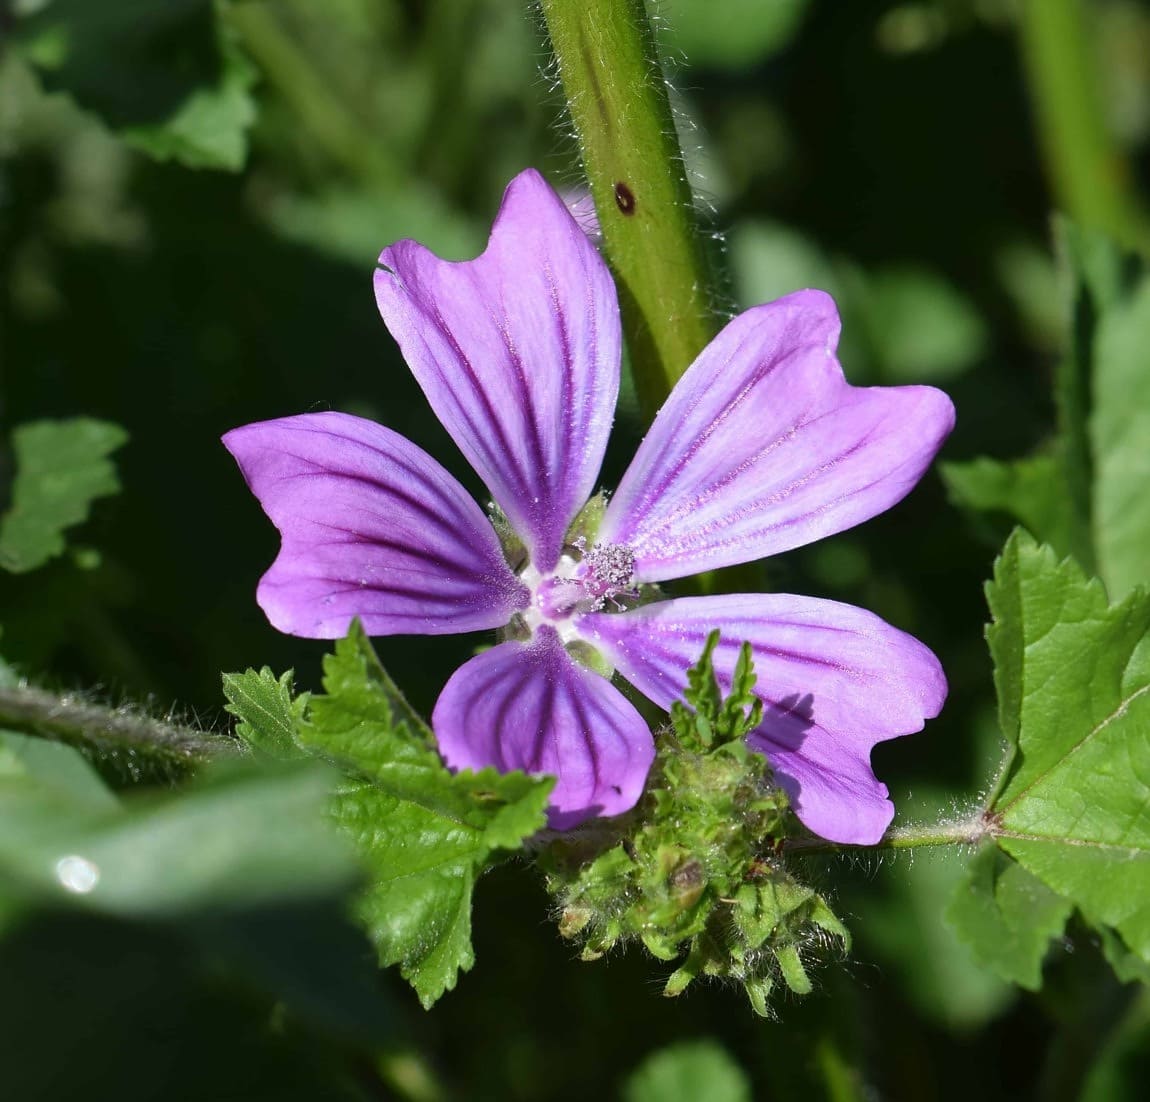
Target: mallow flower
[[762, 446]]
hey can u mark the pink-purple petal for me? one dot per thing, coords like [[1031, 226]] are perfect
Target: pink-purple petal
[[834, 679], [518, 352], [372, 527], [763, 446], [529, 706]]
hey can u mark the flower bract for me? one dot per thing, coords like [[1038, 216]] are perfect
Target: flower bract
[[762, 447]]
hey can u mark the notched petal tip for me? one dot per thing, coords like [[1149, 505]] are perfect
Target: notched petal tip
[[529, 706], [518, 352], [763, 446], [834, 680], [371, 527]]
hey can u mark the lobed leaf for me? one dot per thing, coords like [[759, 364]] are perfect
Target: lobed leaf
[[1072, 805], [425, 834], [268, 714], [61, 468], [1007, 917]]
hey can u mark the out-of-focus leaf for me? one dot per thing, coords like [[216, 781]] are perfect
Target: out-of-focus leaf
[[165, 75], [356, 225], [267, 713], [425, 833], [61, 467], [1031, 491], [688, 1072], [1122, 1069], [921, 329], [237, 839], [55, 767], [1083, 493], [900, 325], [130, 61], [209, 128], [1074, 705], [1007, 917], [729, 33], [904, 925], [1120, 437]]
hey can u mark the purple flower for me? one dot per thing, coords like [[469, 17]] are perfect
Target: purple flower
[[763, 446]]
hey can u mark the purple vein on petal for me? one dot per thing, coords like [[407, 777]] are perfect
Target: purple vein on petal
[[836, 680], [518, 353], [527, 705], [764, 446], [413, 553]]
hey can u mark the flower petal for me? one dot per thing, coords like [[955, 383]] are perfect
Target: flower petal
[[764, 446], [529, 706], [518, 353], [835, 680], [372, 527]]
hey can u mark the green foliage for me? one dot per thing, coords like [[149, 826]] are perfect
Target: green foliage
[[1083, 492], [210, 127], [729, 33], [900, 927], [1007, 916], [688, 1072], [235, 839], [901, 324], [61, 467], [268, 714], [1120, 438], [179, 88], [1070, 802], [424, 834], [695, 868], [235, 871]]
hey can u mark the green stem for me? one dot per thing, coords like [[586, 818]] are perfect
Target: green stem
[[968, 833], [78, 722], [342, 137], [617, 97], [1090, 180]]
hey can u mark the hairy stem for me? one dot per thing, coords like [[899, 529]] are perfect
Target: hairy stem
[[909, 837], [71, 719], [1090, 179], [617, 97]]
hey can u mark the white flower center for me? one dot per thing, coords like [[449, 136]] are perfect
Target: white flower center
[[603, 574]]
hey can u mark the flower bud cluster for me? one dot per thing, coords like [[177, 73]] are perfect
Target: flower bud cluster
[[695, 873]]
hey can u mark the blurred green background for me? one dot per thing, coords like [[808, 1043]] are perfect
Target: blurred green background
[[183, 267]]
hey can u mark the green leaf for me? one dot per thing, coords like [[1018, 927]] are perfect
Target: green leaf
[[921, 329], [1120, 436], [237, 838], [61, 467], [1029, 491], [210, 127], [1073, 802], [179, 87], [267, 713], [899, 927], [688, 1072], [1007, 917], [1083, 492], [425, 833], [734, 33], [55, 768]]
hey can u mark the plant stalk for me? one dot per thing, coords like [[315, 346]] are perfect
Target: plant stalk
[[617, 96], [78, 722], [1088, 174]]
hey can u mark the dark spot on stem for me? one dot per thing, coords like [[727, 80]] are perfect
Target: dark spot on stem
[[624, 198]]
